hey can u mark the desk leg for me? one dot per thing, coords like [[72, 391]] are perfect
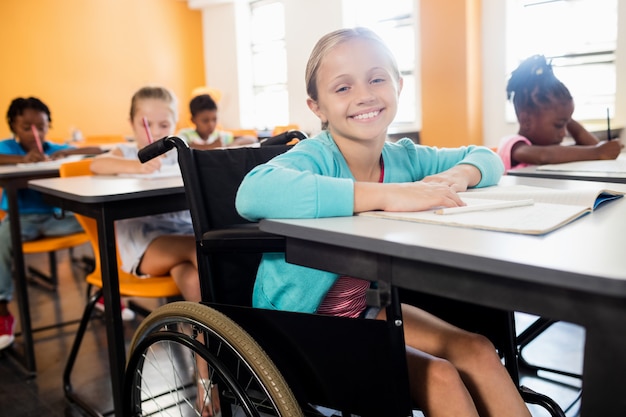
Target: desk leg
[[21, 287], [604, 368], [113, 311], [395, 328]]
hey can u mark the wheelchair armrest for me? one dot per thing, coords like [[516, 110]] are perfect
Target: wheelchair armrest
[[159, 147], [246, 238]]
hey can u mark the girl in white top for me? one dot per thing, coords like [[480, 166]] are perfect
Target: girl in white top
[[162, 244]]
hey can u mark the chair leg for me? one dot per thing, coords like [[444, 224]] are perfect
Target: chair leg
[[529, 334], [71, 360], [49, 281], [138, 308], [532, 397], [535, 329]]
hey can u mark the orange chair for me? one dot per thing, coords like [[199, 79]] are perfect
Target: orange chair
[[280, 129], [243, 132], [102, 140], [50, 245], [129, 285]]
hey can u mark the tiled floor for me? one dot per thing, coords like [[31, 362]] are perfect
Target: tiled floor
[[23, 396]]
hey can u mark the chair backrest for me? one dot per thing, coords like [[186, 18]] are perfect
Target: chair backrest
[[211, 179], [284, 128], [76, 168]]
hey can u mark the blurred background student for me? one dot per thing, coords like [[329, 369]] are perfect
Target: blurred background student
[[206, 135], [29, 120], [161, 244], [544, 107]]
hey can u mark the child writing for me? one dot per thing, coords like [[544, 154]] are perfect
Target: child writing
[[544, 108], [29, 120], [206, 135], [353, 84], [160, 244]]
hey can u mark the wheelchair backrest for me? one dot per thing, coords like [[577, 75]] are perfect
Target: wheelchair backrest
[[211, 179]]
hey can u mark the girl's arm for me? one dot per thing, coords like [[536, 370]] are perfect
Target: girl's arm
[[438, 190], [113, 162], [87, 150], [580, 134], [32, 156], [556, 154], [407, 196]]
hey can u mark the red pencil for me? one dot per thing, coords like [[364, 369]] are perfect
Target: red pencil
[[37, 138], [147, 128]]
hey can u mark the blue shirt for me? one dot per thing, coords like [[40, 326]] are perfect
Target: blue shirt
[[29, 201], [313, 180]]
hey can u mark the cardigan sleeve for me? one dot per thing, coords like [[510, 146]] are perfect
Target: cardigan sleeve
[[305, 182]]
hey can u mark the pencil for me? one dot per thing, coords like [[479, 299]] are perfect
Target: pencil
[[37, 138], [147, 128], [485, 207], [608, 125]]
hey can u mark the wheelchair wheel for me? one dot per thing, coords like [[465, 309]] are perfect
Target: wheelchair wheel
[[162, 371]]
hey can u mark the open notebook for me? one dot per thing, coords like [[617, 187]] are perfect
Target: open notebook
[[166, 171], [605, 166], [532, 210], [53, 163]]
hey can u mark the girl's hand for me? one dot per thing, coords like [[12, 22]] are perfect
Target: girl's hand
[[455, 182], [438, 190], [421, 195], [609, 149], [35, 156], [150, 166], [408, 196], [458, 178], [60, 154]]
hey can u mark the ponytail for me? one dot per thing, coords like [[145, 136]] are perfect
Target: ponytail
[[533, 85]]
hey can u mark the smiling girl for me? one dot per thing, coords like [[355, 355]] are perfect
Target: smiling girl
[[353, 84]]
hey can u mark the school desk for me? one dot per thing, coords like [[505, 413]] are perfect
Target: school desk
[[615, 171], [107, 199], [576, 273], [12, 179]]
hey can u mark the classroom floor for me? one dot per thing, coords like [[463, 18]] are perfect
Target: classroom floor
[[22, 395]]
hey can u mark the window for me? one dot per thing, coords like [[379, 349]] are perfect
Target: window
[[269, 64], [579, 37], [394, 23]]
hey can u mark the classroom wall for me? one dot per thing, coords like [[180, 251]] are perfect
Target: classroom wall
[[85, 59], [451, 72]]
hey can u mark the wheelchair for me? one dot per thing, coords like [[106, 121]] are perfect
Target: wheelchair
[[265, 362]]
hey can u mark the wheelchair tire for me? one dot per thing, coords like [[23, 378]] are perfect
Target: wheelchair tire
[[161, 373]]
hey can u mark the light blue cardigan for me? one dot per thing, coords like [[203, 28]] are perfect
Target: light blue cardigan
[[313, 180]]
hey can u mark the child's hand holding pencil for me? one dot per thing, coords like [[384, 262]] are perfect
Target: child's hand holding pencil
[[36, 155]]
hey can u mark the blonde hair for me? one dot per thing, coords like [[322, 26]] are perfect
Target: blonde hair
[[157, 93], [331, 40]]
